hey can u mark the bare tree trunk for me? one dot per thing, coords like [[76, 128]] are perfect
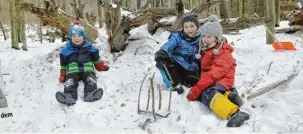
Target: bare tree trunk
[[240, 8], [40, 32], [187, 4], [78, 8], [91, 18], [40, 27], [22, 29], [3, 30], [122, 3], [139, 4], [128, 4], [19, 20], [223, 10], [180, 11], [100, 13], [63, 7], [234, 8], [172, 3], [200, 2], [278, 14], [247, 4], [270, 22], [157, 3], [154, 4], [262, 6], [112, 23], [162, 3], [14, 23], [230, 8], [192, 3], [146, 4]]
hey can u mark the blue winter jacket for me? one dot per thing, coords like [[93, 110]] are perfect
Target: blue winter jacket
[[183, 51]]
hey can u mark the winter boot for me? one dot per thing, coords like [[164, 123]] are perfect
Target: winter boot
[[94, 95], [178, 88], [64, 98], [237, 119], [234, 97]]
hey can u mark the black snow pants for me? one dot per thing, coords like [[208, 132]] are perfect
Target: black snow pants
[[71, 83]]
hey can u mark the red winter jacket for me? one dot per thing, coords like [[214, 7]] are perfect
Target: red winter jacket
[[219, 69]]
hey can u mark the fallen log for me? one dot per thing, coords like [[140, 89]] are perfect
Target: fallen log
[[159, 11], [203, 6], [118, 26], [272, 86], [53, 16], [295, 18], [228, 27], [291, 29]]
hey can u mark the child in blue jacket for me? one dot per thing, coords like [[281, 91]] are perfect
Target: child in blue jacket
[[78, 60], [178, 55]]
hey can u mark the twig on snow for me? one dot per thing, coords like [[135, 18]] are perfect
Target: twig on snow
[[160, 96], [140, 92], [136, 51], [148, 98], [269, 67], [253, 81], [153, 95], [299, 124]]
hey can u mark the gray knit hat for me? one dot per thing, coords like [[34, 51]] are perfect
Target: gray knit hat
[[212, 27]]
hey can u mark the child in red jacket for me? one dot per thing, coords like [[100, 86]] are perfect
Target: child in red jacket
[[217, 75]]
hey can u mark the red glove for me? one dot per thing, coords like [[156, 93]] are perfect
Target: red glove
[[197, 90], [62, 76], [194, 93], [101, 67]]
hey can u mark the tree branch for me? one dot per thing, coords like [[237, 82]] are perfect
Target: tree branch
[[272, 86]]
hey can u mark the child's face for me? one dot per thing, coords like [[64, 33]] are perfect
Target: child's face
[[190, 28], [208, 39], [77, 39]]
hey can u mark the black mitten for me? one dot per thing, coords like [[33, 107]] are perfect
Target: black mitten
[[161, 57]]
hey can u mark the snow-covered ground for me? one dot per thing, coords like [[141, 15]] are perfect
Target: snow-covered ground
[[31, 82]]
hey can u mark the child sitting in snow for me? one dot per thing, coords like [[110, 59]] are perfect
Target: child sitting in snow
[[178, 55], [217, 75], [78, 60]]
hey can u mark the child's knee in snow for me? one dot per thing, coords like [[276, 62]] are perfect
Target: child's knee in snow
[[91, 80], [209, 93], [69, 83]]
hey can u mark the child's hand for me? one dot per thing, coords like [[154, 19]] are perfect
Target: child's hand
[[61, 79], [194, 93], [62, 76], [100, 66], [161, 56]]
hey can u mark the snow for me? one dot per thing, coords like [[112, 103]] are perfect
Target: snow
[[32, 83]]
